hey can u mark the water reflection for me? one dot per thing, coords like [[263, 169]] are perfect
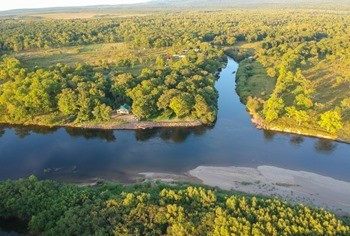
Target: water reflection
[[176, 135], [269, 135], [325, 146], [107, 135], [25, 131], [297, 140], [8, 225], [2, 131]]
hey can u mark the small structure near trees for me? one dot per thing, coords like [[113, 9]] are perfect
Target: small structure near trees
[[124, 109]]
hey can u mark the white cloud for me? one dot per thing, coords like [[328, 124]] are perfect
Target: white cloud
[[19, 4]]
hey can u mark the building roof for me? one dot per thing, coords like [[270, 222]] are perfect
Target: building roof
[[125, 106]]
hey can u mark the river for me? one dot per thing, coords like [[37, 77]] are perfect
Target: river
[[78, 155]]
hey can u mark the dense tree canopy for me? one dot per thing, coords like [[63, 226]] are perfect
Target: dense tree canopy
[[306, 54], [156, 209], [86, 92]]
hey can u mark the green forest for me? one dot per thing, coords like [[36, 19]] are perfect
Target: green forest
[[51, 208], [160, 76], [294, 71], [298, 79], [293, 76]]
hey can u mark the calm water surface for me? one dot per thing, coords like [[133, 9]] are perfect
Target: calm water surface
[[76, 155]]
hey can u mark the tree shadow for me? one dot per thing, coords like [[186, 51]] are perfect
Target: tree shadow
[[297, 140], [176, 135], [269, 135], [107, 135], [325, 146]]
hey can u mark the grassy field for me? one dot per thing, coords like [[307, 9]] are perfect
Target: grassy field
[[94, 54], [70, 55], [331, 86], [258, 84]]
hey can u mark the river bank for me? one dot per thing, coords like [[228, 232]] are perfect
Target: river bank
[[129, 122], [125, 122], [290, 185], [295, 187], [260, 123]]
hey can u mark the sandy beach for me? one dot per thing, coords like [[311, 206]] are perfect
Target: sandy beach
[[293, 186]]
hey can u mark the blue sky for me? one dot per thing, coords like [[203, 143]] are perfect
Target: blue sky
[[19, 4]]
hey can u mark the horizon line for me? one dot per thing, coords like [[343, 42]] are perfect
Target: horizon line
[[73, 6]]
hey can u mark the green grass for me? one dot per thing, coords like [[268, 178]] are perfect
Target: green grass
[[91, 54], [330, 89], [164, 116], [253, 81]]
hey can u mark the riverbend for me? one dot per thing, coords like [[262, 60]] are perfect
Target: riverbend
[[84, 155]]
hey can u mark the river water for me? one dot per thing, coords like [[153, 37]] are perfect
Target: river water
[[78, 155]]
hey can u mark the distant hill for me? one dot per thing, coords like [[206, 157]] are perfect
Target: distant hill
[[190, 5], [223, 4]]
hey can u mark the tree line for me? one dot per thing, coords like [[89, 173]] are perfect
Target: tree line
[[51, 208]]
